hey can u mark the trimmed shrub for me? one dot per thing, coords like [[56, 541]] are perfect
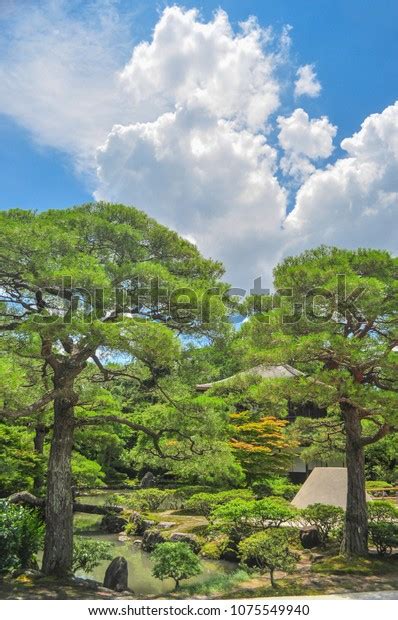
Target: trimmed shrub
[[277, 486], [382, 511], [205, 503], [176, 561], [384, 536], [21, 536], [269, 551], [326, 518]]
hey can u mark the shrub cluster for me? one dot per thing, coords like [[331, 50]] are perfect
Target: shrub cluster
[[205, 503], [21, 536]]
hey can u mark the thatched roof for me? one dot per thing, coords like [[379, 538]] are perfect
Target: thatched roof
[[282, 371], [324, 485]]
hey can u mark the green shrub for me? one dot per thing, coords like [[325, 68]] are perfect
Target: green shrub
[[377, 484], [268, 551], [277, 486], [384, 536], [205, 503], [176, 561], [326, 518], [213, 549], [21, 536], [240, 518], [148, 500], [382, 511], [88, 553]]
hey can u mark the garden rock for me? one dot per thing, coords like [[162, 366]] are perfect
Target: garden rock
[[190, 539], [309, 537], [113, 524], [151, 539], [116, 576], [166, 525], [148, 481]]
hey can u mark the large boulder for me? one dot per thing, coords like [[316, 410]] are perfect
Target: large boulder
[[148, 481], [113, 524], [190, 539], [309, 537], [151, 539], [116, 575]]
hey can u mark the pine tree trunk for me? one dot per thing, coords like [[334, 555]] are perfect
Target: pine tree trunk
[[38, 442], [58, 545], [355, 540], [271, 574]]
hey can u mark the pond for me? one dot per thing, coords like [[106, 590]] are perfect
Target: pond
[[139, 562]]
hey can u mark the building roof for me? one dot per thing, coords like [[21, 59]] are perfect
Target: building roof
[[324, 485], [281, 371]]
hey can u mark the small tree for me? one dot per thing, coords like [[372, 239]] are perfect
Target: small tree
[[384, 536], [327, 519], [269, 551], [87, 554], [175, 560]]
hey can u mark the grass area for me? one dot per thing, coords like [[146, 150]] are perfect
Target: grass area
[[339, 565], [217, 584]]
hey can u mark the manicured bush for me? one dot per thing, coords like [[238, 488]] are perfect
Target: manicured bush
[[269, 551], [213, 549], [240, 518], [205, 503], [326, 518], [377, 484], [277, 486], [384, 536], [21, 536], [176, 561], [88, 553], [382, 511]]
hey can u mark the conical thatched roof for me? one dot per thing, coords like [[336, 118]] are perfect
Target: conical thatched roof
[[282, 371], [324, 485]]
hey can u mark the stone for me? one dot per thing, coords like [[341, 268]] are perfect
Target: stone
[[309, 537], [151, 539], [148, 481], [113, 524], [123, 538], [190, 539], [140, 524], [166, 525], [116, 575]]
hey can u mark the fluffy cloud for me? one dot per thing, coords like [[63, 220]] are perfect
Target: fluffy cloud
[[307, 82], [58, 71], [303, 140], [217, 182], [353, 202], [183, 126], [205, 65]]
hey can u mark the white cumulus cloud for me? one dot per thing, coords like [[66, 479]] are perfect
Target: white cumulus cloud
[[307, 82], [353, 202], [304, 139]]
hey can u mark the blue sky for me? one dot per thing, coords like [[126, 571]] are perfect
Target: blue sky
[[352, 47]]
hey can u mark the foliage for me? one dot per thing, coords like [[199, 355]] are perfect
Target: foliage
[[205, 503], [260, 444], [384, 536], [19, 463], [343, 565], [88, 553], [380, 510], [277, 486], [213, 549], [176, 561], [268, 551], [239, 518], [21, 536], [377, 484], [326, 518], [85, 472]]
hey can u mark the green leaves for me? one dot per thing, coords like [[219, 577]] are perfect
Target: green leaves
[[176, 561]]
